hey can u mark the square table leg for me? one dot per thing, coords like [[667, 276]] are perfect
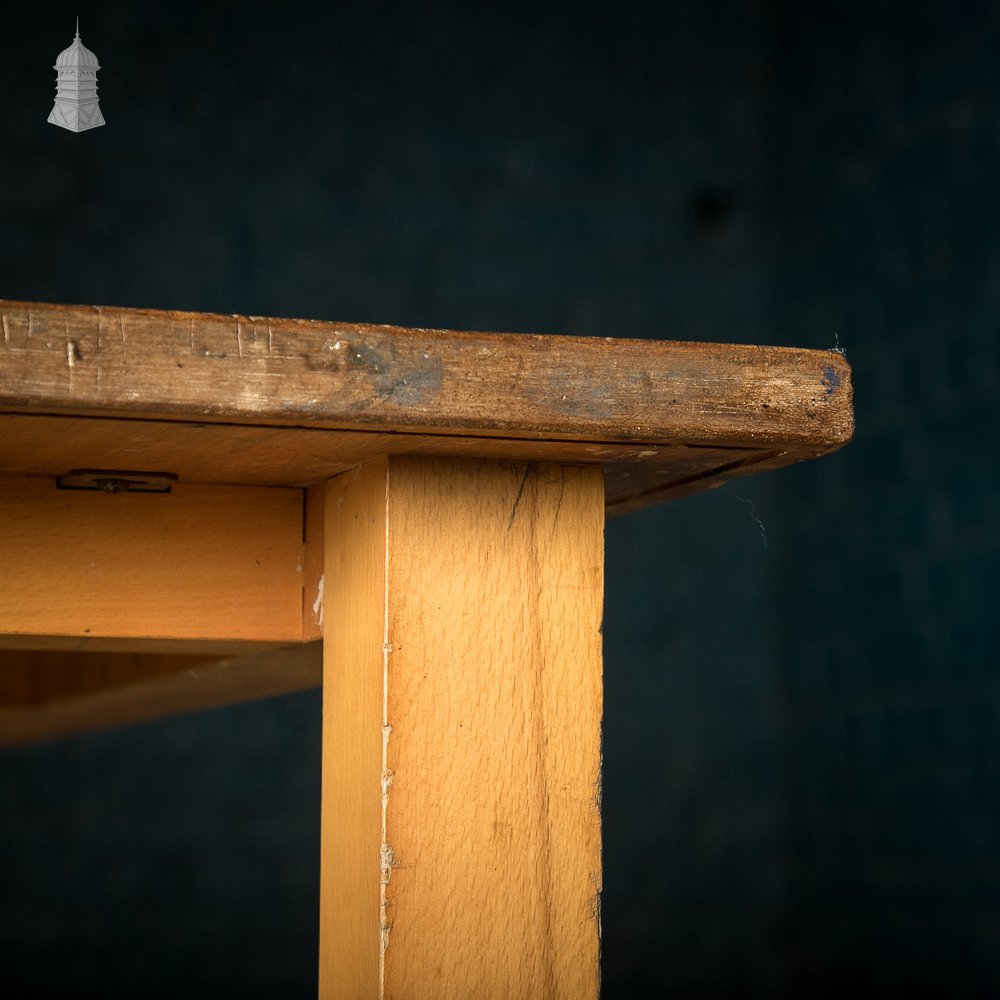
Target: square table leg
[[461, 730]]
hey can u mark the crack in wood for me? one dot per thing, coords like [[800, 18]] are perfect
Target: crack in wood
[[520, 493]]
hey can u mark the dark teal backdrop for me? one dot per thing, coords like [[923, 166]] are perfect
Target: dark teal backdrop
[[802, 731]]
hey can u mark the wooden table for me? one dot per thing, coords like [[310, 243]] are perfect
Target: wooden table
[[414, 519]]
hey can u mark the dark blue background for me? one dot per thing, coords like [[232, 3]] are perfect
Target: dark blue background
[[802, 741]]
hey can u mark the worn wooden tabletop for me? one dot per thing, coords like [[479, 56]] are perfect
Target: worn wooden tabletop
[[291, 402]]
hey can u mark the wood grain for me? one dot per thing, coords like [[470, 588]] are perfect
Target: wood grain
[[636, 474], [242, 369], [271, 402], [353, 719], [469, 640], [215, 563]]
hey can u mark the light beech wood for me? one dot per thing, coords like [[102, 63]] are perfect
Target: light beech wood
[[354, 660], [212, 563], [462, 707]]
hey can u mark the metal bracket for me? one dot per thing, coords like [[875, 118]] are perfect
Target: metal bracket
[[116, 481]]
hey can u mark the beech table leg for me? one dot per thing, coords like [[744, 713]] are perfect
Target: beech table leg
[[461, 731]]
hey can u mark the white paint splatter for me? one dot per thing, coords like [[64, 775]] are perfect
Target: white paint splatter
[[318, 603]]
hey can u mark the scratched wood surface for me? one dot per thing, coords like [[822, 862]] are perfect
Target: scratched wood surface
[[662, 418], [462, 751]]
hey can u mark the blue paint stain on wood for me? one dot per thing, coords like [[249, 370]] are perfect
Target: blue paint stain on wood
[[831, 379]]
